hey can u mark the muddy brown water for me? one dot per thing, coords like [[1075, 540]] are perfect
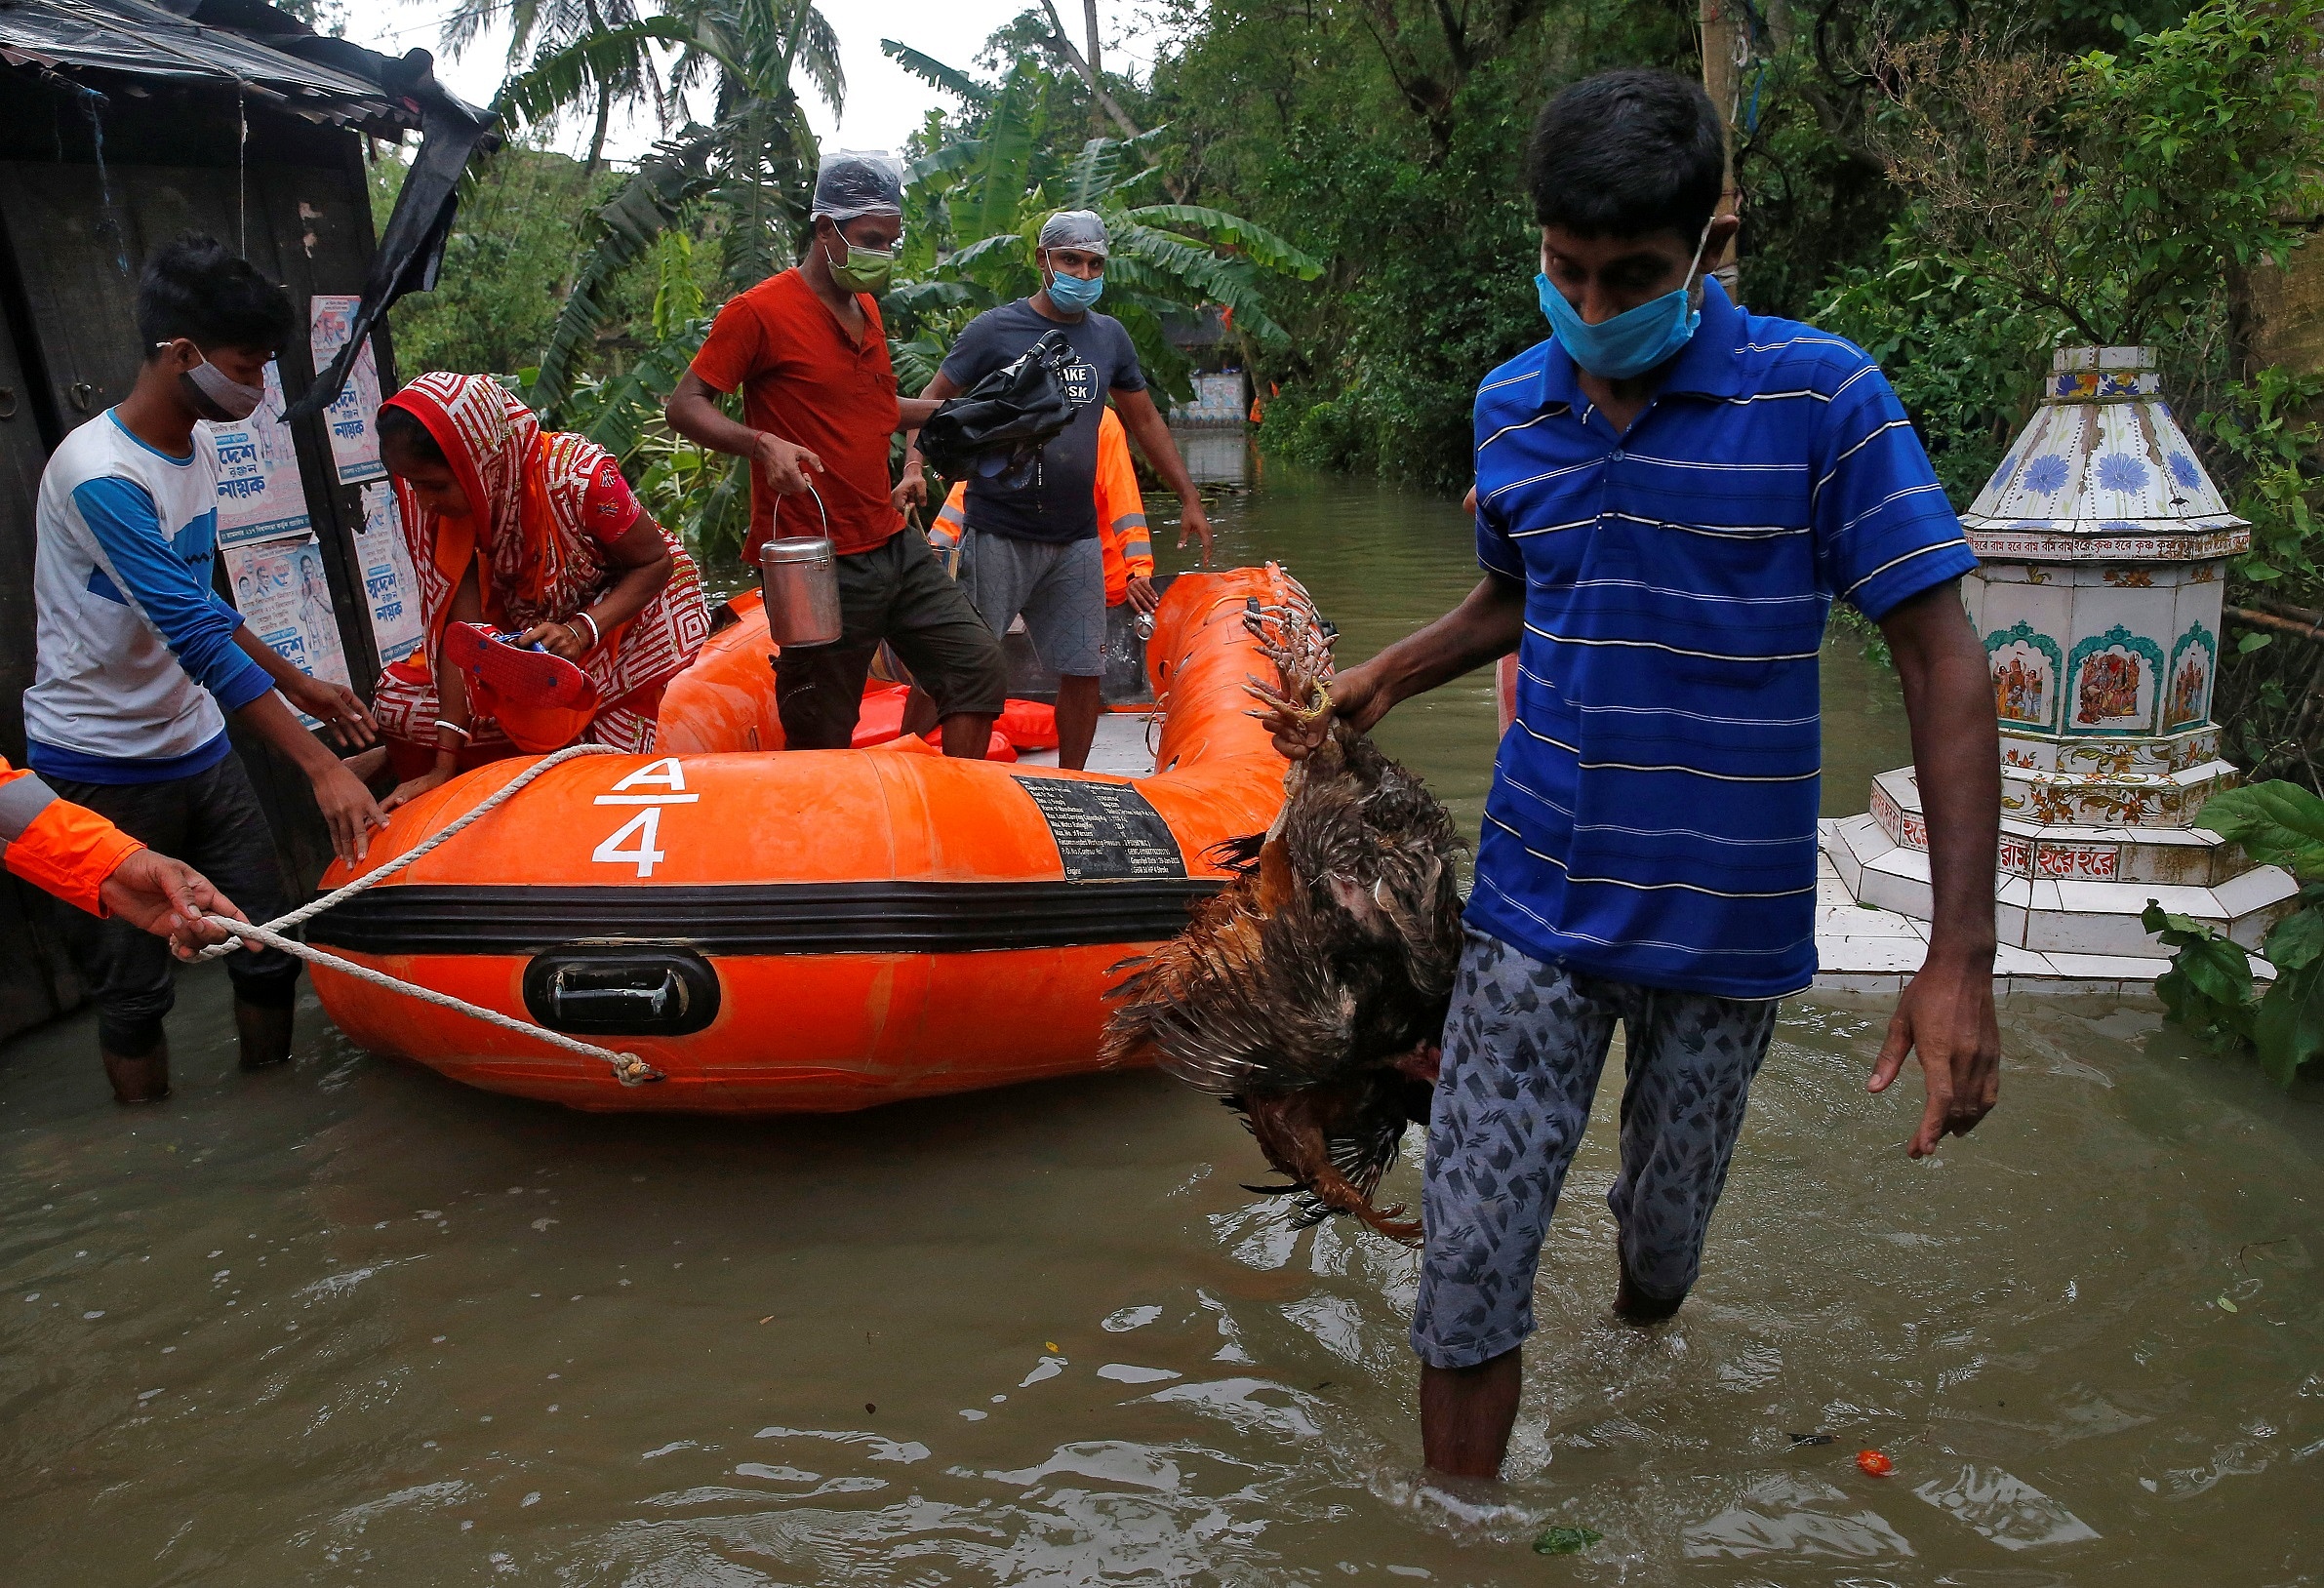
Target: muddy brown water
[[351, 1322]]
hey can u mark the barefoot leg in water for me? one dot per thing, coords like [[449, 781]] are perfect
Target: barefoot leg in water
[[1466, 1415]]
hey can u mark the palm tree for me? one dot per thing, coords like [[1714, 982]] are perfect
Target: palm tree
[[745, 178], [542, 27], [974, 208], [752, 166]]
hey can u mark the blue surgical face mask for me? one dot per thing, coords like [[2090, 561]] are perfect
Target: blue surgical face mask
[[1632, 342], [1073, 294]]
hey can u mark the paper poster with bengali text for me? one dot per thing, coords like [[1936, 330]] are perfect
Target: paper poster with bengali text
[[284, 596], [351, 418], [260, 494], [390, 588]]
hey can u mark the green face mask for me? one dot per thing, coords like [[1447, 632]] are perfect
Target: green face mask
[[866, 269]]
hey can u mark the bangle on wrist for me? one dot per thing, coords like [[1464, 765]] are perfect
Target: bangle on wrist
[[596, 635], [445, 726]]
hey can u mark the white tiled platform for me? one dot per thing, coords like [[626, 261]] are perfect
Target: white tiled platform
[[1861, 948]]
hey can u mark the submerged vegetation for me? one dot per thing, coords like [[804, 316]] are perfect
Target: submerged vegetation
[[2210, 986]]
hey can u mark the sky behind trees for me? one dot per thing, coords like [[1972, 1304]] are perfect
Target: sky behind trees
[[884, 106]]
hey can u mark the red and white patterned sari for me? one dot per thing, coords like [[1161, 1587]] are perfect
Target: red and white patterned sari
[[543, 507]]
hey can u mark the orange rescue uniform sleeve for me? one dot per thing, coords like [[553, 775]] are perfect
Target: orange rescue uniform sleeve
[[1121, 512], [58, 846], [944, 533]]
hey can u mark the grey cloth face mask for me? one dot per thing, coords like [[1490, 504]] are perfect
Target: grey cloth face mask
[[218, 398]]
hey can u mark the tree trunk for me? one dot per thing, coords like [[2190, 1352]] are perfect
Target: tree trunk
[[1063, 48], [605, 111], [2281, 312], [1722, 37], [1088, 14]]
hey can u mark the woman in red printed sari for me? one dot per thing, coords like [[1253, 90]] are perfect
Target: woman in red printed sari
[[533, 534]]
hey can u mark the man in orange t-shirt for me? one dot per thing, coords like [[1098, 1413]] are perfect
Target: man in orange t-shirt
[[808, 352]]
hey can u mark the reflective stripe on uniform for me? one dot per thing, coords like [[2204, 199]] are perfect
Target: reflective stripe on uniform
[[950, 520], [59, 846], [22, 797]]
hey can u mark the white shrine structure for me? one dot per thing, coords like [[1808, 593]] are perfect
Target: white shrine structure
[[2103, 546]]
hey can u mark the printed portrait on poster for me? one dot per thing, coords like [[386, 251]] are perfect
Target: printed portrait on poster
[[349, 419], [260, 494], [283, 594], [390, 589]]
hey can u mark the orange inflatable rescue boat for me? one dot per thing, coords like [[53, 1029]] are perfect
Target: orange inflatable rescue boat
[[815, 929]]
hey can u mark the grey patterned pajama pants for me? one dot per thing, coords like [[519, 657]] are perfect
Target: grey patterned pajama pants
[[1523, 1048]]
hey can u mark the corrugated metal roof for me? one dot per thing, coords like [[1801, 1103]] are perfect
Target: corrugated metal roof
[[132, 38]]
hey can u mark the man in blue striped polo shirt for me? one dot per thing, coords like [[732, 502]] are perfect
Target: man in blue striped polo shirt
[[1670, 492]]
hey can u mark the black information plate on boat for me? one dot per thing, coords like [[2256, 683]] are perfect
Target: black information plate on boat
[[1104, 831]]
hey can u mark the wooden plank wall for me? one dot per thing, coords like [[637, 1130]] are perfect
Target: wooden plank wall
[[74, 231]]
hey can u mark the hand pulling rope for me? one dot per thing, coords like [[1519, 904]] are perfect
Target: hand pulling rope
[[628, 1069]]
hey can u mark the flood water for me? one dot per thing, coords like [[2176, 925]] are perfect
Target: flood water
[[349, 1323]]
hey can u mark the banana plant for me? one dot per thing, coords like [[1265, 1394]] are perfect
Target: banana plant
[[747, 174], [972, 214]]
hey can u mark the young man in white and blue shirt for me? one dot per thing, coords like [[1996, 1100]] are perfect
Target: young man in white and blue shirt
[[1671, 493], [139, 662]]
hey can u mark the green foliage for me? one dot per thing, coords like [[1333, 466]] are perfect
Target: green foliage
[[2208, 986], [1566, 1540], [636, 308], [2195, 152], [508, 265], [2263, 451], [978, 193], [1386, 141], [1964, 362], [752, 165], [2117, 192], [2277, 823]]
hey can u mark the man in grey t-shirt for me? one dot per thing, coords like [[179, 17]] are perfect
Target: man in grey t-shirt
[[1034, 547]]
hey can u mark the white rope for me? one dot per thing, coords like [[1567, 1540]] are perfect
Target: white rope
[[628, 1069], [484, 807]]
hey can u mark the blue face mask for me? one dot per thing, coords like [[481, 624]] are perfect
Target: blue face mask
[[1632, 342], [1073, 294]]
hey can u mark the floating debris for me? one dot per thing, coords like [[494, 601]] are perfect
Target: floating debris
[[1874, 1464], [1814, 1439], [1566, 1540], [2226, 1305]]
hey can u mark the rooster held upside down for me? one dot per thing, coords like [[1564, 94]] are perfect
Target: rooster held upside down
[[1310, 993]]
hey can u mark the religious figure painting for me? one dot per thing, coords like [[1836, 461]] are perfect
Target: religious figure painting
[[2109, 691], [2192, 660], [2186, 689], [2022, 684]]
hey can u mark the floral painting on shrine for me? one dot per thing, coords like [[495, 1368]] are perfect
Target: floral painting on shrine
[[2116, 677], [2194, 659], [2025, 667]]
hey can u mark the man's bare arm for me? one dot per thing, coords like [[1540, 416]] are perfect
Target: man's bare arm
[[1947, 1013], [1484, 627], [692, 412], [911, 489], [1151, 431]]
